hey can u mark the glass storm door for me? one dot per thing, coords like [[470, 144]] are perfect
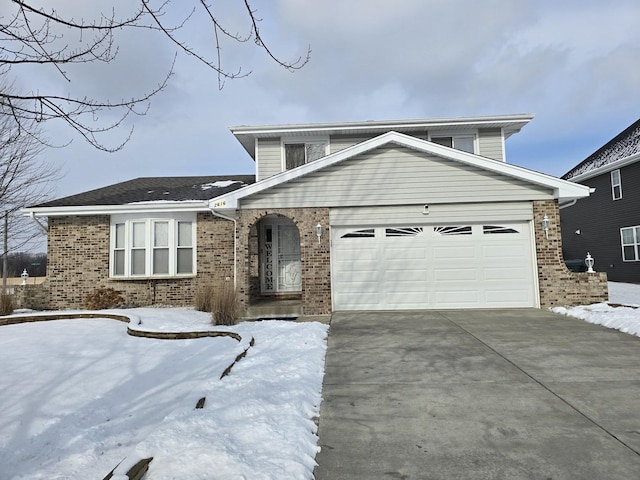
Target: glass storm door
[[280, 258]]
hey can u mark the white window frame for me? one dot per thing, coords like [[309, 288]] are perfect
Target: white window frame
[[635, 231], [616, 183], [456, 134], [301, 140], [149, 222]]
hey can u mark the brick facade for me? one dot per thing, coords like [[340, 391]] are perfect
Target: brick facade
[[316, 272], [78, 263], [558, 285]]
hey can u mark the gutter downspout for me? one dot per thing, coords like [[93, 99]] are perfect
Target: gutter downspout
[[568, 204], [235, 246], [575, 200], [42, 227]]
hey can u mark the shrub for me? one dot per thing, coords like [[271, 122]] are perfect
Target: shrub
[[225, 306], [6, 304], [204, 298], [102, 298]]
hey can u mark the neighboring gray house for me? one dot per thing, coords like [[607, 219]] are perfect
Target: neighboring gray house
[[607, 223], [415, 214]]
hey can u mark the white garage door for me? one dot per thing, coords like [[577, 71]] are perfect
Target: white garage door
[[427, 266]]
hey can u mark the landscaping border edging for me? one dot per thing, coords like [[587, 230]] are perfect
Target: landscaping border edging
[[121, 318]]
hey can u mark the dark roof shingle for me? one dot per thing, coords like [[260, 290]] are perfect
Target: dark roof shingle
[[623, 145], [154, 189]]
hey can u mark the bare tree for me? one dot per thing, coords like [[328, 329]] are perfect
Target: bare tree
[[25, 179], [33, 35]]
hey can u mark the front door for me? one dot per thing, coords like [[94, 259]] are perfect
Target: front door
[[280, 266]]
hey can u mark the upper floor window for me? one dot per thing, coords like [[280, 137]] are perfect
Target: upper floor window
[[148, 247], [630, 243], [616, 185], [299, 153], [459, 142]]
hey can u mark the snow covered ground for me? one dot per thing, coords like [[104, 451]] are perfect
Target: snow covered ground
[[622, 312], [80, 396]]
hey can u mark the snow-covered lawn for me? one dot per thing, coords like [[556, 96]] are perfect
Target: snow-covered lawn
[[622, 312], [77, 397]]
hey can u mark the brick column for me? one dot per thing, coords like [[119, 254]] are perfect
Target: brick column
[[558, 285]]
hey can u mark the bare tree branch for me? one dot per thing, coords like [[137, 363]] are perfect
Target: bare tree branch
[[37, 36], [25, 177]]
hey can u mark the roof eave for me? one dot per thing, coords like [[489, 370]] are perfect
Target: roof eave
[[623, 162], [141, 207], [246, 134]]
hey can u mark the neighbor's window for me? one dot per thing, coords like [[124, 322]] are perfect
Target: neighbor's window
[[299, 153], [144, 247], [616, 185], [630, 243], [459, 142]]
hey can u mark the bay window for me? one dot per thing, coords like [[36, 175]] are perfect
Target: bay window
[[152, 247]]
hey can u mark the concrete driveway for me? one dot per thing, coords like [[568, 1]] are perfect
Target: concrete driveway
[[509, 394]]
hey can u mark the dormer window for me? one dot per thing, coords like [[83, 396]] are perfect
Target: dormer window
[[459, 142], [297, 153]]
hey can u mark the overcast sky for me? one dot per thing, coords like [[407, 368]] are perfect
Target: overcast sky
[[575, 64]]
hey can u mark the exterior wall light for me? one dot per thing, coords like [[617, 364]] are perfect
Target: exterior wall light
[[319, 232], [24, 276], [546, 223], [589, 261]]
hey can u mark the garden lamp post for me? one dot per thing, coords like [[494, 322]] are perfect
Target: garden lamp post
[[589, 261]]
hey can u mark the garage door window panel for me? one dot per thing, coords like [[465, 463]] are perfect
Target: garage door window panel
[[403, 232], [453, 230], [366, 233], [497, 229]]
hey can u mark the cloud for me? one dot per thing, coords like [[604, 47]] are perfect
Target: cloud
[[572, 63]]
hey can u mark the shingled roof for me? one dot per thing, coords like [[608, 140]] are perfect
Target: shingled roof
[[155, 189], [624, 145]]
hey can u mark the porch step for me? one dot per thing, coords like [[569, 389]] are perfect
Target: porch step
[[275, 309]]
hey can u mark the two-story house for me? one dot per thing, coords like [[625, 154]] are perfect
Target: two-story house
[[375, 215], [607, 223]]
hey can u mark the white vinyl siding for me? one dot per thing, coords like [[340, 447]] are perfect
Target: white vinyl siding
[[439, 213], [268, 158], [269, 161], [340, 142], [491, 144], [392, 175], [152, 247]]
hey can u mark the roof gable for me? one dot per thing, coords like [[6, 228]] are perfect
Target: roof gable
[[561, 188], [393, 174], [623, 146]]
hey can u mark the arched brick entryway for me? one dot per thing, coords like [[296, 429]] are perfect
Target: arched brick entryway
[[314, 265]]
